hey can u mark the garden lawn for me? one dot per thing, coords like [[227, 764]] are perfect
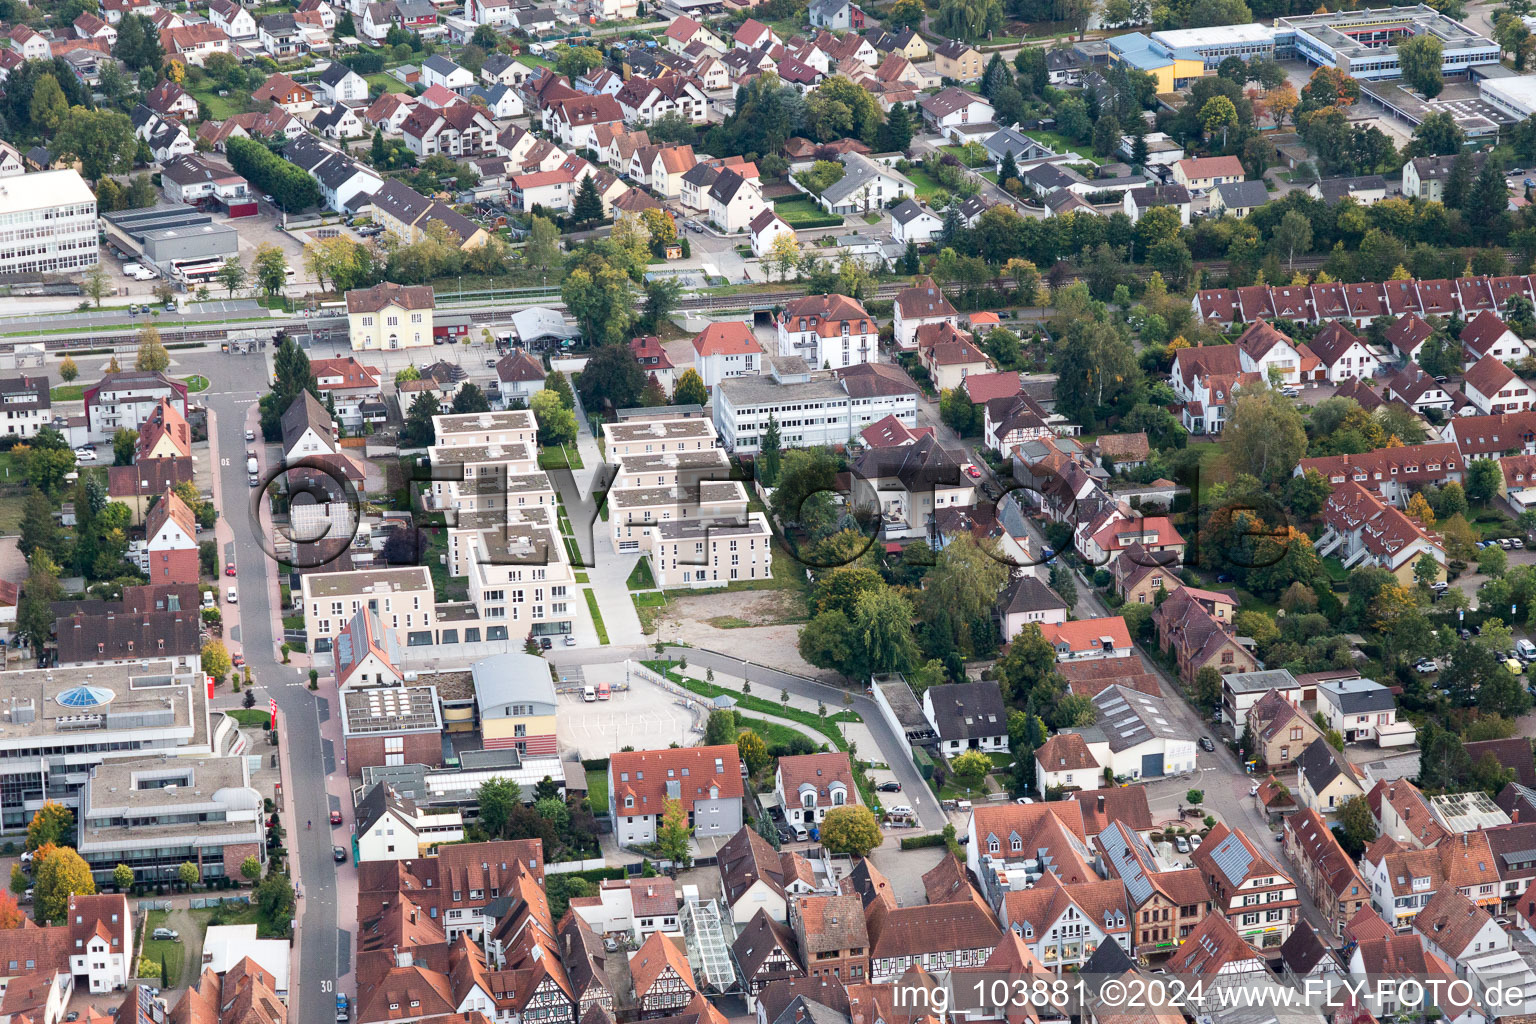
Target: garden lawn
[[802, 212], [772, 733], [1061, 144], [924, 183], [172, 954], [384, 80], [219, 107], [597, 788], [250, 718], [597, 616], [67, 393], [640, 577], [648, 607]]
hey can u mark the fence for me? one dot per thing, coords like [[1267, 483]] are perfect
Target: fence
[[565, 867], [145, 906], [206, 902]]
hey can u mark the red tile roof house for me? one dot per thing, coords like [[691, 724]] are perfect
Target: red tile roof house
[[1258, 898], [1089, 638], [1487, 335], [1493, 388], [1197, 638], [1327, 872], [919, 305], [810, 785], [1392, 473], [727, 348], [171, 546], [1367, 531], [353, 387], [1156, 534], [653, 359], [706, 780], [959, 933]]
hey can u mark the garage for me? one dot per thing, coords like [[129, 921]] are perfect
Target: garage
[[1151, 765]]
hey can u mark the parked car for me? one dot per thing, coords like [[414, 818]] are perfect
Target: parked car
[[1424, 666], [1181, 844], [335, 817], [232, 596], [889, 787], [569, 641], [250, 435], [1206, 744], [168, 934], [589, 694], [85, 455], [340, 855], [546, 644], [229, 570], [1194, 842]]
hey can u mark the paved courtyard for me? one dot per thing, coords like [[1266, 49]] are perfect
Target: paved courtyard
[[645, 718]]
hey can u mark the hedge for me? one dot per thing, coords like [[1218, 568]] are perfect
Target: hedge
[[595, 764], [922, 842], [923, 761]]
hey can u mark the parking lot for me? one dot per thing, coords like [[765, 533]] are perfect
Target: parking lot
[[645, 718]]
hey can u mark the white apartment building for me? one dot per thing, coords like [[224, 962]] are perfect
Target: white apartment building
[[657, 437], [509, 426], [520, 579], [401, 597], [471, 478], [828, 331], [47, 223], [811, 408], [711, 552]]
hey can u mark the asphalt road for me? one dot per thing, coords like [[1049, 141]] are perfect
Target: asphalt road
[[894, 749], [234, 390]]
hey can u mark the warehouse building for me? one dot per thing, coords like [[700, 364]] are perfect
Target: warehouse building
[[1514, 96], [170, 236], [47, 223]]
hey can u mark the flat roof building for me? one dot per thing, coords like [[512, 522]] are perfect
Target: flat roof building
[[1363, 44], [47, 223], [173, 233]]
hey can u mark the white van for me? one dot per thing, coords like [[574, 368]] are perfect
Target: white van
[[589, 694], [250, 465], [1525, 649], [208, 599], [232, 596]]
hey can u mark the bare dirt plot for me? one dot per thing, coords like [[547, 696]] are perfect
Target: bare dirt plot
[[749, 607]]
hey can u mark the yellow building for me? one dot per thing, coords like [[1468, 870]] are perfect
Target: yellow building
[[1171, 68], [390, 316], [957, 60], [515, 699]]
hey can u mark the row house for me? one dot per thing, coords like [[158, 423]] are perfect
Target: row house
[[1365, 530], [1258, 897], [757, 879], [1392, 474], [663, 980], [707, 781], [734, 201], [1419, 391], [765, 952], [933, 937], [1487, 335], [1165, 907], [234, 19], [1153, 534], [1273, 355], [643, 100], [459, 130], [1401, 811], [1325, 779], [1408, 335], [459, 888], [1278, 731], [575, 119], [1488, 437], [1342, 354], [833, 936], [1188, 629], [193, 43], [1327, 872], [1065, 926], [1403, 880], [1362, 302], [662, 168], [345, 184], [1493, 388]]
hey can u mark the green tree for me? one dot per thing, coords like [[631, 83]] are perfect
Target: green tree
[[588, 205], [1265, 436], [958, 412], [1219, 114], [231, 273], [720, 728], [768, 456], [49, 107], [575, 61], [560, 385], [57, 875], [216, 660], [471, 399], [754, 751], [1484, 480], [689, 389], [496, 798], [672, 835], [1437, 135], [601, 298], [151, 355], [419, 431], [882, 630], [188, 874], [542, 250], [1208, 688], [557, 423], [250, 869], [271, 268], [20, 883], [34, 612], [850, 829], [1421, 57], [102, 140], [1357, 826], [970, 767], [122, 877], [275, 899], [611, 380], [53, 824]]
